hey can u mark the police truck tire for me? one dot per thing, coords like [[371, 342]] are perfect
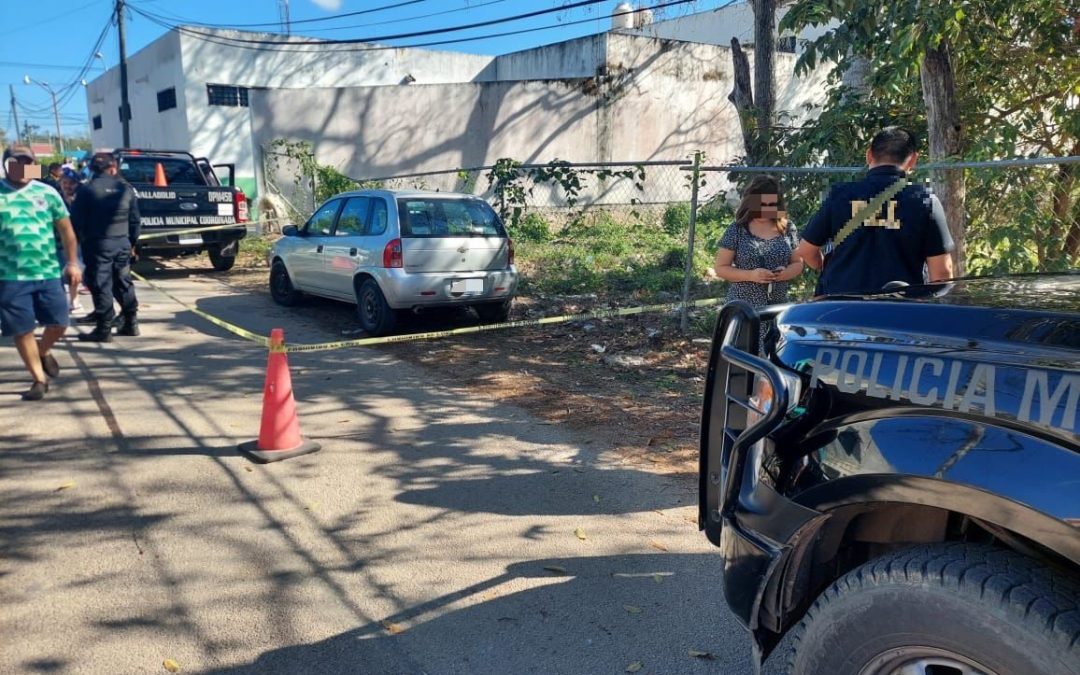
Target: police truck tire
[[281, 287], [376, 316], [221, 263], [943, 608]]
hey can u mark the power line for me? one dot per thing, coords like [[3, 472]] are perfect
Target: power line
[[68, 91], [406, 18], [334, 17], [39, 66], [65, 14], [401, 36], [292, 47]]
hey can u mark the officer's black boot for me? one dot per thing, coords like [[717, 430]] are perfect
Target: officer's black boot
[[129, 325], [101, 333]]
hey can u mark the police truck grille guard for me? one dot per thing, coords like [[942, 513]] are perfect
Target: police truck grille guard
[[734, 366]]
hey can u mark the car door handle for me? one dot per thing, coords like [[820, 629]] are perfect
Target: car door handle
[[318, 249], [352, 251]]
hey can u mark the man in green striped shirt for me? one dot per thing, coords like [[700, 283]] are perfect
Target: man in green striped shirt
[[31, 214]]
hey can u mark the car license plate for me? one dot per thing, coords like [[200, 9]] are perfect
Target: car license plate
[[191, 239], [467, 286]]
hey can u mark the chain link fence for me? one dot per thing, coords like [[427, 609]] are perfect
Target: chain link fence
[[590, 236]]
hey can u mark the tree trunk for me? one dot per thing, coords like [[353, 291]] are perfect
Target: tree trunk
[[946, 141], [743, 97], [1066, 212], [764, 70]]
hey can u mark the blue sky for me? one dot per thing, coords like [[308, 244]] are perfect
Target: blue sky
[[51, 42]]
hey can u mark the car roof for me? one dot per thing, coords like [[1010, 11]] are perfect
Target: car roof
[[407, 194]]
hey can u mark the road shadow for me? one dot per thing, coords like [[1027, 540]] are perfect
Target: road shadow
[[553, 616]]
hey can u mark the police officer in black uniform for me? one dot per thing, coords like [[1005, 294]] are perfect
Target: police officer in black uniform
[[106, 218], [907, 232]]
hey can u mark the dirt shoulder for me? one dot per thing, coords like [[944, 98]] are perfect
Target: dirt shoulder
[[632, 384]]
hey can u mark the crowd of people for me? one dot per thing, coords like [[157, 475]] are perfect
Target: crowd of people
[[53, 228]]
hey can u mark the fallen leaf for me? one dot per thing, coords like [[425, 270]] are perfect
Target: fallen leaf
[[596, 498], [658, 578], [580, 534], [171, 666], [708, 656], [631, 609], [312, 506], [658, 546], [555, 569], [634, 667], [65, 486], [391, 628], [248, 468]]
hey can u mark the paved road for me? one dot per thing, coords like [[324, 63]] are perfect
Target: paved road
[[419, 540]]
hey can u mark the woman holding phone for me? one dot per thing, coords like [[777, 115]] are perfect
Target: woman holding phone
[[756, 252]]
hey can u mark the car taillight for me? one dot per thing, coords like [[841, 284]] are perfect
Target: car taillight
[[509, 252], [241, 203], [391, 255]]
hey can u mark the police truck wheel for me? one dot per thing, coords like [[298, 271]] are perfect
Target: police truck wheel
[[945, 609], [281, 287], [376, 316], [221, 263]]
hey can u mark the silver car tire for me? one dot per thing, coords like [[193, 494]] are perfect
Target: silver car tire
[[376, 316], [281, 287]]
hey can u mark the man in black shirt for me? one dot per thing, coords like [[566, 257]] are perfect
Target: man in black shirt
[[893, 244], [106, 218]]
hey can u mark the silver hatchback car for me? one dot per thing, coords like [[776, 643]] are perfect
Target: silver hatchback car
[[391, 251]]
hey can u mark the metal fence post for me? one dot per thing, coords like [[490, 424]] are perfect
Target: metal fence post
[[688, 273]]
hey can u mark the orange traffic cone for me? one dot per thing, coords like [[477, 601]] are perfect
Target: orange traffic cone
[[159, 176], [279, 433]]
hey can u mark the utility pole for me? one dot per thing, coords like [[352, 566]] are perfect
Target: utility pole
[[56, 109], [283, 13], [56, 117], [125, 107], [15, 112]]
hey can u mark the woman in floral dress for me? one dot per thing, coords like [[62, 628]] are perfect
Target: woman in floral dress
[[756, 252]]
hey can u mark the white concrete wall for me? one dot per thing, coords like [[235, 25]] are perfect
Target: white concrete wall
[[654, 100], [574, 58], [224, 133], [718, 26], [155, 68]]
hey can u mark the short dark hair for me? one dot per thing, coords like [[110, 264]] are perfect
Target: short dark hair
[[54, 166], [893, 144], [102, 161]]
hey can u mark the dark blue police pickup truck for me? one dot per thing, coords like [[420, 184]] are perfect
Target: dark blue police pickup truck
[[894, 479], [178, 193]]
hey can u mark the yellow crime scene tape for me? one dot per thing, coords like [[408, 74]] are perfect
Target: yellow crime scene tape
[[390, 339], [232, 328]]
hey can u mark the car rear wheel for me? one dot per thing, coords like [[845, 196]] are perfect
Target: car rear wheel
[[946, 609], [220, 261], [376, 316], [281, 287], [494, 312]]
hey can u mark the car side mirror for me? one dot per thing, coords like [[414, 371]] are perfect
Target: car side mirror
[[290, 231]]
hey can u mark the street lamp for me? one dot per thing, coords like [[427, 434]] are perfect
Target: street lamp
[[56, 109]]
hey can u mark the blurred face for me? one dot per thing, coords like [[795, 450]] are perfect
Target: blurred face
[[21, 170], [68, 186], [768, 206]]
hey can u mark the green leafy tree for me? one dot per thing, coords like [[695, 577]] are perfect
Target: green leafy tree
[[983, 79]]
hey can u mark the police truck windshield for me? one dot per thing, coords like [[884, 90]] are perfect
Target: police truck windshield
[[177, 171]]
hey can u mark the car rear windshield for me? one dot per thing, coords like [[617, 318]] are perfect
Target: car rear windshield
[[435, 217], [178, 171]]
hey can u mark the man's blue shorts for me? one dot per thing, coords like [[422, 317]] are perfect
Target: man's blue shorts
[[24, 303]]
